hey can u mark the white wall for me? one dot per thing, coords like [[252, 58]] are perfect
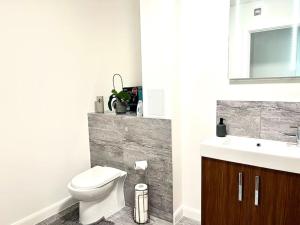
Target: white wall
[[298, 56], [160, 63], [56, 56], [158, 26], [204, 75]]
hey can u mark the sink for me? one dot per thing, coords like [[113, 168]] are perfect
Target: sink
[[252, 151], [262, 146]]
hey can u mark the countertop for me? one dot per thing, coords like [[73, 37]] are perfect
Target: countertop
[[124, 116], [275, 155]]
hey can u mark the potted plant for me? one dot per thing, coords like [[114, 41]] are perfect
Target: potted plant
[[118, 100]]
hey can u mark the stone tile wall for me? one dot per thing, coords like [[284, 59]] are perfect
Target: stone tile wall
[[260, 119], [119, 141]]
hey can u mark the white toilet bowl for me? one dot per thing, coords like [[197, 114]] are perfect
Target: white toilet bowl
[[100, 191]]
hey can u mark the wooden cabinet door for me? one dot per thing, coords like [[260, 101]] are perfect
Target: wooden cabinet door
[[278, 197], [277, 201], [220, 193]]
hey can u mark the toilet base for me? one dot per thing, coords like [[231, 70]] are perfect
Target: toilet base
[[91, 212]]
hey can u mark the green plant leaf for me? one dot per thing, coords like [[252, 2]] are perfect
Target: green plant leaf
[[123, 96], [114, 92]]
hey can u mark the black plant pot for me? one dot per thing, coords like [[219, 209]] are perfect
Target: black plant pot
[[120, 107]]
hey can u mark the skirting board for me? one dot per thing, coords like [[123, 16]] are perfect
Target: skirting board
[[178, 214], [45, 213], [185, 211]]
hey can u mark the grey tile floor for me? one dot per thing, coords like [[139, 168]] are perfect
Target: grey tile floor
[[187, 221], [124, 217]]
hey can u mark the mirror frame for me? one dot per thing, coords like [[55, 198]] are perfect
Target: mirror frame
[[258, 80]]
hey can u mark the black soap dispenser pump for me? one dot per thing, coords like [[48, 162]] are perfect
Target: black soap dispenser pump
[[221, 129]]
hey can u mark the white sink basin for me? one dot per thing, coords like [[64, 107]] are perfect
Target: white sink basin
[[257, 152]]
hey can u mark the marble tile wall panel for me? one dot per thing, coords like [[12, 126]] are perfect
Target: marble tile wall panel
[[119, 141], [277, 119], [260, 119], [241, 118]]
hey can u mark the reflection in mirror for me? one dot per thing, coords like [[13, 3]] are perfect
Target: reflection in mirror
[[271, 53], [264, 39]]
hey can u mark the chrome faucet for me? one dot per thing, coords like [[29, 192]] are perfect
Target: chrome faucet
[[297, 134]]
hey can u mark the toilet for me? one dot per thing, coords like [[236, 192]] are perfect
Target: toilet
[[100, 191]]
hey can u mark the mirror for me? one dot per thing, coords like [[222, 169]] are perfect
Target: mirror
[[264, 39]]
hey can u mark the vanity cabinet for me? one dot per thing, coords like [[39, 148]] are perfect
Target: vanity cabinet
[[237, 194]]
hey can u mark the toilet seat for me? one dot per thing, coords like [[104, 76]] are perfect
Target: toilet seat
[[95, 177], [100, 192]]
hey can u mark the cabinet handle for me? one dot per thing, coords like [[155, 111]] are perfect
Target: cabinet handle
[[240, 194], [256, 195]]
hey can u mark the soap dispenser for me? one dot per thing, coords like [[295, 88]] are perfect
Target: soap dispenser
[[221, 129]]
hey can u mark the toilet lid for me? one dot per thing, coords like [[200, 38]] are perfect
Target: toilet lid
[[95, 177]]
